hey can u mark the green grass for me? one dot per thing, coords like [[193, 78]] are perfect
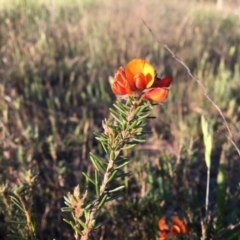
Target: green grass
[[56, 59]]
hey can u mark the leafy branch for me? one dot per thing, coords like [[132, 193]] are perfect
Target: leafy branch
[[123, 133]]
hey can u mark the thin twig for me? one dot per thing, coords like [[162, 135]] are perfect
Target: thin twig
[[230, 138]]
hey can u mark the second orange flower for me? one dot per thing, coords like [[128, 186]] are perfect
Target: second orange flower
[[176, 228]]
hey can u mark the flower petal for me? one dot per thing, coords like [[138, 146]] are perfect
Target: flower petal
[[156, 94], [149, 73], [165, 82], [120, 85], [180, 224], [118, 89], [164, 230], [162, 224], [140, 66], [175, 230]]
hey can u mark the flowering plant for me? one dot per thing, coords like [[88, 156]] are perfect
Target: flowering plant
[[141, 86]]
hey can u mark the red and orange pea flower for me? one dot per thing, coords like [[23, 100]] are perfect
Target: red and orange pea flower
[[139, 78], [175, 228]]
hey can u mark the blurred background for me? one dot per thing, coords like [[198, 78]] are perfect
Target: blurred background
[[56, 58]]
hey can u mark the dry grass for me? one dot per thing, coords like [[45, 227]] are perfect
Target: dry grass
[[55, 62]]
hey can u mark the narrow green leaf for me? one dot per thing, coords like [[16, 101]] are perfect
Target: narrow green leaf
[[103, 200], [74, 198], [66, 199], [66, 209], [96, 163], [138, 110], [88, 206], [77, 230], [146, 109], [97, 184], [132, 125], [112, 175], [116, 117], [97, 226], [68, 204], [112, 155], [139, 123], [113, 127], [98, 158], [86, 214], [144, 116], [17, 222], [82, 223], [122, 165], [123, 125], [17, 203], [101, 135], [120, 160], [68, 221], [124, 107], [129, 146], [114, 111], [116, 189], [101, 139], [139, 140], [120, 109], [122, 175], [88, 178], [115, 196], [104, 147]]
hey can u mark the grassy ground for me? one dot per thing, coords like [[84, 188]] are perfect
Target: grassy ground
[[56, 59]]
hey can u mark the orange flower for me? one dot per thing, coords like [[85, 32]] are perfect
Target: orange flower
[[139, 78], [177, 227]]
